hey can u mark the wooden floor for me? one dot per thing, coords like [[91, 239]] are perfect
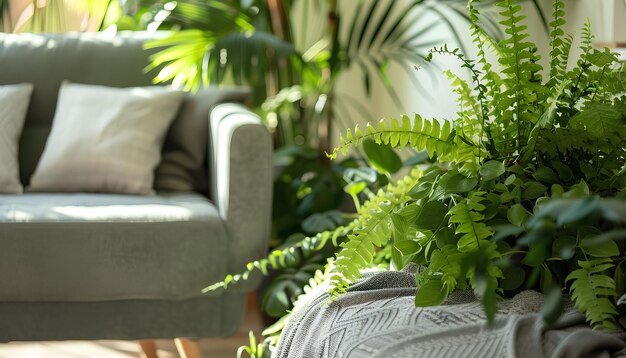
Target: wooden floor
[[211, 348]]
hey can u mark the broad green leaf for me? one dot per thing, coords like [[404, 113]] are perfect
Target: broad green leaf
[[552, 307], [421, 190], [431, 293], [546, 175], [513, 278], [564, 247], [322, 221], [538, 252], [546, 280], [564, 172], [576, 212], [355, 188], [382, 156], [598, 248], [533, 190], [432, 216], [491, 170], [510, 179], [517, 215], [457, 183], [445, 236], [407, 247]]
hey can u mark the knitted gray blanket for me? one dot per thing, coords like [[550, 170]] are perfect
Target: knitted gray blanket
[[378, 318]]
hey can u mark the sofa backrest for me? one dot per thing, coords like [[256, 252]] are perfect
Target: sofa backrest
[[46, 60]]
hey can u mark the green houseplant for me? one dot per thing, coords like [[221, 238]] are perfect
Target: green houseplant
[[483, 220], [529, 187], [294, 80]]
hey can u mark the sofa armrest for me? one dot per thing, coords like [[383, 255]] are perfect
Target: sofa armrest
[[241, 181]]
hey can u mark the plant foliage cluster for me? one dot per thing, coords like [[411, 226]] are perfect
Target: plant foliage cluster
[[529, 187]]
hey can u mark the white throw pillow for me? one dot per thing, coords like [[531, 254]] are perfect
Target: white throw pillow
[[105, 139], [14, 101]]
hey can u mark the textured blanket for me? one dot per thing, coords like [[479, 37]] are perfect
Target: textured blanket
[[378, 318]]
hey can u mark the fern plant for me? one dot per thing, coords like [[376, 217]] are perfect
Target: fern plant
[[518, 143], [523, 193]]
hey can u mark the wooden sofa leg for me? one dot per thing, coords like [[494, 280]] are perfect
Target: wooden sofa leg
[[148, 349], [188, 348]]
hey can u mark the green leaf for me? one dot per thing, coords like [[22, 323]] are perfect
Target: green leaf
[[432, 216], [430, 293], [457, 183], [564, 247], [598, 248], [445, 236], [576, 212], [565, 172], [407, 247], [545, 280], [421, 190], [552, 307], [382, 156], [537, 253], [533, 190], [491, 170], [600, 121], [517, 215], [319, 222], [546, 175], [355, 188], [513, 278]]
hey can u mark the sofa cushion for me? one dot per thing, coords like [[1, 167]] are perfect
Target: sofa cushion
[[183, 164], [103, 59], [106, 139], [13, 104], [97, 247]]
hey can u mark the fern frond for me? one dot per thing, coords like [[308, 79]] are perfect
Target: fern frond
[[373, 229], [593, 291], [420, 134], [447, 262], [522, 77], [491, 79], [559, 46], [467, 214], [279, 259]]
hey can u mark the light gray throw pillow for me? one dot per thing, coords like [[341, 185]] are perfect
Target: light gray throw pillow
[[105, 139]]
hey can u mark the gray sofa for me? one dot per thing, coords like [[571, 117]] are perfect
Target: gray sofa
[[104, 266]]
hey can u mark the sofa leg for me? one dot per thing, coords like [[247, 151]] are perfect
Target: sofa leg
[[188, 348], [148, 349]]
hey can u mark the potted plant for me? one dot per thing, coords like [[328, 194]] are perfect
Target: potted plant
[[529, 187]]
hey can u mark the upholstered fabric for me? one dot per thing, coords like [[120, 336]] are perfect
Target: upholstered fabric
[[97, 247], [183, 164], [236, 140], [13, 104], [127, 319], [105, 139]]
